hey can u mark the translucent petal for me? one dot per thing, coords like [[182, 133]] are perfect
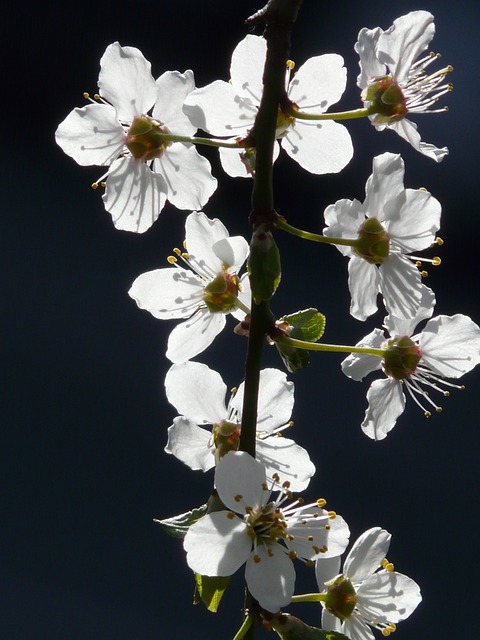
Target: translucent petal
[[366, 47], [358, 365], [366, 554], [344, 219], [246, 69], [217, 545], [91, 135], [240, 481], [134, 195], [388, 597], [385, 184], [386, 403], [271, 580], [236, 165], [331, 622], [326, 569], [401, 286], [412, 225], [201, 234], [190, 444], [197, 392], [126, 81], [172, 89], [408, 131], [364, 285], [232, 252], [290, 461], [356, 628], [187, 175], [168, 293], [194, 335], [318, 83], [319, 147]]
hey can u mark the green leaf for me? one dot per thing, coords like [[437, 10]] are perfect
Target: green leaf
[[210, 590], [179, 525], [289, 627], [308, 325]]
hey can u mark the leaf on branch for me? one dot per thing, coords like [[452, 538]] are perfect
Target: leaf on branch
[[177, 526], [289, 627], [210, 590], [307, 325]]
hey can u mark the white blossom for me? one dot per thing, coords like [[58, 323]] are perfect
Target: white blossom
[[203, 292], [395, 82], [391, 223], [198, 393], [117, 131], [363, 597], [261, 531], [229, 109], [448, 347]]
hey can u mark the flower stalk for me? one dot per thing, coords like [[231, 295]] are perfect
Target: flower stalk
[[292, 111], [281, 223], [334, 348]]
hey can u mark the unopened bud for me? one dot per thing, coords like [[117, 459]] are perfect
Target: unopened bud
[[373, 244]]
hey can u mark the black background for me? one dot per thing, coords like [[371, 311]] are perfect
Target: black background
[[84, 415]]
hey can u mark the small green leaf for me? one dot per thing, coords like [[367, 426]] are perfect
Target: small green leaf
[[210, 590], [308, 325], [177, 526], [289, 627]]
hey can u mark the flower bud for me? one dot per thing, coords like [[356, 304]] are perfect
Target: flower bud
[[340, 597], [144, 139], [373, 244], [220, 295], [263, 266], [401, 358]]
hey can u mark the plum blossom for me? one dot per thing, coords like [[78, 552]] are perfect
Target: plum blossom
[[229, 109], [198, 393], [448, 347], [201, 294], [144, 169], [391, 224], [395, 84], [261, 531], [363, 597]]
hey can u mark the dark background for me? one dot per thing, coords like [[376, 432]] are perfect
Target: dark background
[[84, 415]]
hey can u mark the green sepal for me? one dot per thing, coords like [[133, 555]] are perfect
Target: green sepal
[[210, 590], [264, 268], [289, 627], [177, 526], [307, 325]]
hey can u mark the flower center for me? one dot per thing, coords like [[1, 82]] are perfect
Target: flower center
[[226, 437], [145, 139], [220, 295], [267, 523], [340, 597], [401, 358], [373, 244], [386, 99]]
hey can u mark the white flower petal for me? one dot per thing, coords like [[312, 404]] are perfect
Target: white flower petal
[[134, 195], [194, 335], [404, 41], [271, 580], [412, 225], [237, 165], [246, 69], [217, 545], [319, 147], [407, 130], [338, 537], [91, 135], [239, 480], [330, 622], [244, 296], [357, 365], [344, 219], [388, 597], [168, 293], [386, 403], [364, 285], [286, 458], [187, 176], [401, 286], [126, 81], [405, 326], [232, 252], [197, 392], [366, 47], [318, 83], [218, 110], [172, 89], [356, 629], [190, 444], [335, 539], [201, 234], [450, 345], [366, 554], [326, 569], [385, 183]]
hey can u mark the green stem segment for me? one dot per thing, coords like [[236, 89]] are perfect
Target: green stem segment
[[309, 597], [281, 223], [247, 623], [210, 142], [335, 348], [339, 115]]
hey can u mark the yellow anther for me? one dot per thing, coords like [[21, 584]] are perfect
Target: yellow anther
[[438, 409], [270, 553], [103, 184], [310, 563], [439, 241], [276, 477], [327, 527], [428, 414], [462, 387], [393, 626], [185, 255], [436, 261], [292, 555], [418, 263], [238, 497], [422, 189], [171, 260], [230, 515], [446, 108], [290, 64], [300, 500], [389, 566], [185, 245], [332, 515], [94, 185], [177, 252], [449, 68], [310, 538], [86, 95], [257, 558], [446, 394], [264, 486], [386, 632], [424, 274], [96, 97], [321, 502], [286, 484], [291, 423]]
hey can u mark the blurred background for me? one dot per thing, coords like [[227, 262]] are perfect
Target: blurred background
[[84, 414]]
